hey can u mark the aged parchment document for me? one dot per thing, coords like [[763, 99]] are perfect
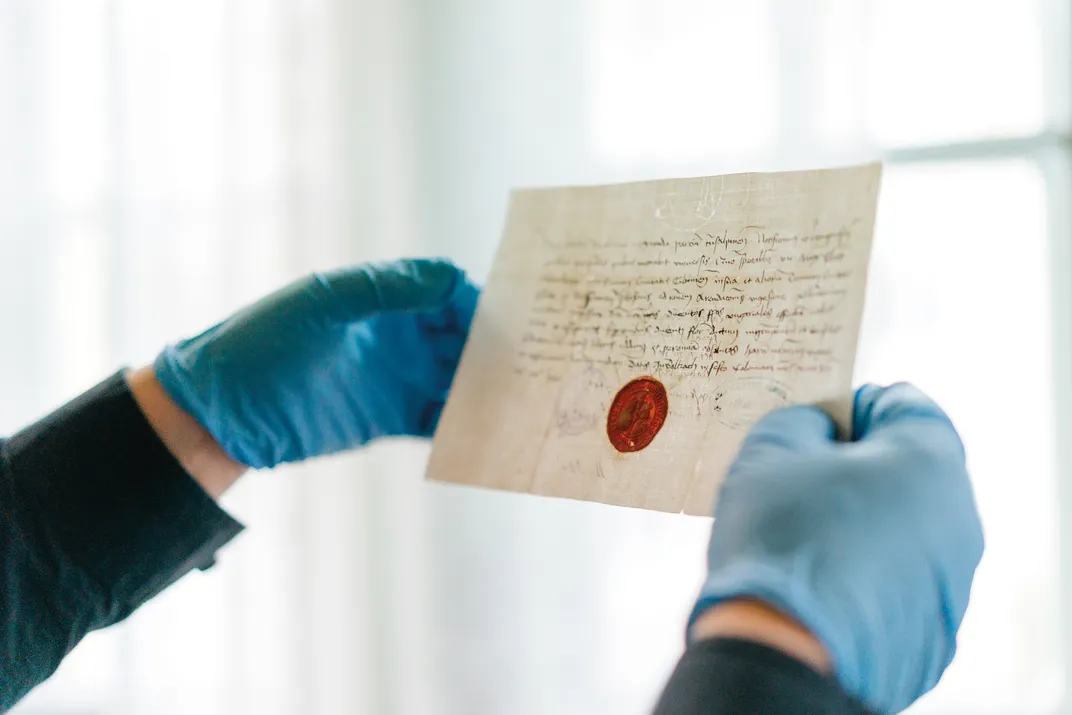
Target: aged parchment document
[[628, 336]]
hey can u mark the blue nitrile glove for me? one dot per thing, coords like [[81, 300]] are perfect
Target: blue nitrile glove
[[327, 363], [872, 544]]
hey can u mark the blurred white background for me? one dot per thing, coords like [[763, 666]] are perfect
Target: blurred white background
[[164, 161]]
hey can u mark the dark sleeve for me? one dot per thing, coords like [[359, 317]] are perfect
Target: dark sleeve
[[725, 676], [96, 517]]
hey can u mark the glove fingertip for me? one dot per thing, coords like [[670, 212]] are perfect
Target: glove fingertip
[[464, 300], [401, 285], [437, 275], [863, 403], [427, 281], [795, 428], [430, 418], [879, 407]]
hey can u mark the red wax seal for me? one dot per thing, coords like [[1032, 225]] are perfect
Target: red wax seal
[[637, 414]]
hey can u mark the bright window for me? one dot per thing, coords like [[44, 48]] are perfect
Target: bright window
[[965, 100]]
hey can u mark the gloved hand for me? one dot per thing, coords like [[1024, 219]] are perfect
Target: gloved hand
[[872, 544], [327, 363]]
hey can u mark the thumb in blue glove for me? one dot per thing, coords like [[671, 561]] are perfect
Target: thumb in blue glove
[[328, 363], [872, 545]]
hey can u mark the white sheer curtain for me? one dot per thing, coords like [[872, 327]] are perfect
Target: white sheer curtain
[[162, 161]]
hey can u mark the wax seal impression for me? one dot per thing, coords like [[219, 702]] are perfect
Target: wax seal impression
[[637, 414]]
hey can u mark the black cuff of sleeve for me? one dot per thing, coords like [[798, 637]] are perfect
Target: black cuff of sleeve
[[727, 675], [105, 492]]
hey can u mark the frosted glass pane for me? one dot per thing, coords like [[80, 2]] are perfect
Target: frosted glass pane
[[661, 89], [175, 90], [959, 303], [75, 86], [911, 72]]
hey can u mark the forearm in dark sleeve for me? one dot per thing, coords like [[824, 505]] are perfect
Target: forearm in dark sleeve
[[96, 517], [734, 677]]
